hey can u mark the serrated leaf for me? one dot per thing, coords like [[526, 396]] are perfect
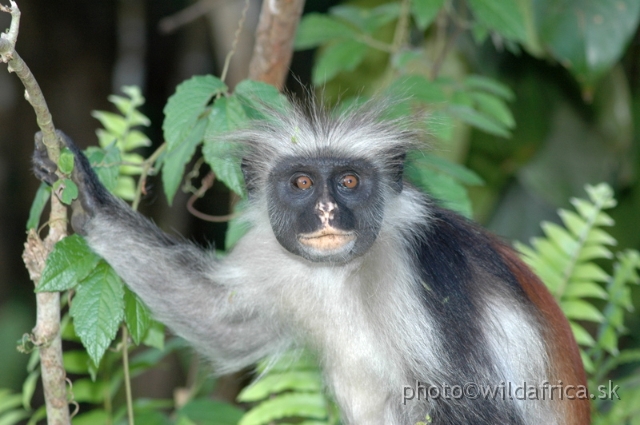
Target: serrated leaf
[[175, 159], [65, 163], [155, 336], [478, 120], [70, 261], [279, 382], [505, 17], [425, 11], [342, 56], [185, 107], [581, 310], [98, 310], [494, 107], [37, 206], [136, 316], [308, 405], [572, 221], [489, 85], [113, 123], [226, 115], [316, 29], [255, 96], [582, 336], [551, 254]]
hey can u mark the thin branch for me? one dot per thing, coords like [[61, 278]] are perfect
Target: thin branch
[[46, 334]]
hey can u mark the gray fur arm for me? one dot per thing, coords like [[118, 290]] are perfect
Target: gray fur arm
[[175, 279]]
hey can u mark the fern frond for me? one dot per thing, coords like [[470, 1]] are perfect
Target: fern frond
[[288, 388], [564, 258]]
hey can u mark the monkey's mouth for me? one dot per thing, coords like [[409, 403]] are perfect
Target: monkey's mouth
[[327, 239]]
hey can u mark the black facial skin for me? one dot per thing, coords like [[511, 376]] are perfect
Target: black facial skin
[[293, 211]]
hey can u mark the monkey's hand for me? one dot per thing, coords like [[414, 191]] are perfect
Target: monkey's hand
[[92, 195]]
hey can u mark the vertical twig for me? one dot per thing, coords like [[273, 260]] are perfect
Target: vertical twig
[[274, 41], [46, 334]]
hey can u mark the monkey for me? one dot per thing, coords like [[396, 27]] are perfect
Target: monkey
[[392, 292]]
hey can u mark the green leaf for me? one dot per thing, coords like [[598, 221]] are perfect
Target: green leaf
[[115, 124], [478, 120], [608, 340], [86, 391], [417, 87], [29, 388], [155, 336], [126, 188], [589, 272], [582, 336], [585, 289], [106, 164], [495, 107], [136, 316], [66, 189], [457, 171], [307, 405], [425, 11], [135, 139], [560, 237], [505, 17], [342, 56], [279, 382], [211, 412], [255, 96], [175, 159], [39, 202], [98, 310], [226, 115], [581, 310], [587, 36], [70, 261], [442, 187], [316, 29], [76, 361], [65, 163], [489, 85], [186, 106], [367, 19]]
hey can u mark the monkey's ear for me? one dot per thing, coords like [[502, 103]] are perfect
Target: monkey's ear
[[396, 165]]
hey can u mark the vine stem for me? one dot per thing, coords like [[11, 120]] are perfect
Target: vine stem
[[46, 334]]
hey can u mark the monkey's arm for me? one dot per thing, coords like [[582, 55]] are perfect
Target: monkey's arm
[[185, 287]]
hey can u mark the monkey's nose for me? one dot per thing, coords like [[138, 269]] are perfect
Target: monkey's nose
[[326, 211]]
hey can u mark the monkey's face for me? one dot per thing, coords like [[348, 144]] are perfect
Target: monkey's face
[[325, 209]]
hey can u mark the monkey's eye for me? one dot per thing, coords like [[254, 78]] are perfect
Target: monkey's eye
[[350, 181], [303, 182]]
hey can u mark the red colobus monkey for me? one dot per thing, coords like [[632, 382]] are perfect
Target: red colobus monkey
[[390, 290]]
